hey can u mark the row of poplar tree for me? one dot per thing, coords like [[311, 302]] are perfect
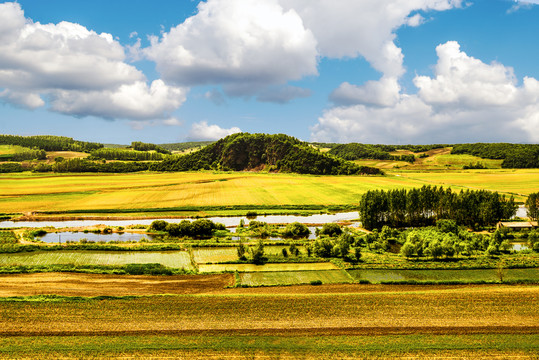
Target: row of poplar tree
[[423, 206]]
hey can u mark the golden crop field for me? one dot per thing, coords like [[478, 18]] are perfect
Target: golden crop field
[[21, 193], [432, 321]]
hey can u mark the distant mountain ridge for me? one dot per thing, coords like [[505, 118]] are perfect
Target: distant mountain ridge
[[276, 153]]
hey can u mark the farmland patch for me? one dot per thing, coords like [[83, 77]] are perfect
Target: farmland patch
[[205, 268], [172, 259], [294, 277], [473, 275]]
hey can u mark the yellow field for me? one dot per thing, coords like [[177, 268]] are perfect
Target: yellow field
[[26, 192], [519, 183], [299, 322], [438, 159]]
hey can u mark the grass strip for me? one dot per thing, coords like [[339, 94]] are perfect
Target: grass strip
[[500, 345]]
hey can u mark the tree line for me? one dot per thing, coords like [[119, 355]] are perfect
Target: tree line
[[83, 165], [423, 206], [513, 155], [25, 154], [49, 143], [140, 146], [355, 151], [125, 155]]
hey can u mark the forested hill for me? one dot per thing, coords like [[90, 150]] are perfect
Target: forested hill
[[244, 151]]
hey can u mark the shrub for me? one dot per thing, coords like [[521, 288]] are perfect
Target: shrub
[[331, 229], [147, 269], [158, 225], [296, 229]]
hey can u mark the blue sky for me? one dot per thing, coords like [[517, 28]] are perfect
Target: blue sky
[[372, 71]]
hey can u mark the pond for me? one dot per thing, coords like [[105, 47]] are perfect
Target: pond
[[231, 221], [522, 212], [63, 237], [519, 246]]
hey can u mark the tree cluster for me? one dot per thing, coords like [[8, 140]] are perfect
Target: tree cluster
[[244, 151], [200, 228], [83, 165], [186, 145], [11, 167], [296, 230], [140, 146], [423, 206], [25, 154], [514, 155], [49, 143], [436, 242], [344, 246], [125, 155], [355, 151]]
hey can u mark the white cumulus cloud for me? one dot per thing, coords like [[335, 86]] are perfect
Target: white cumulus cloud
[[244, 45], [77, 70], [203, 131], [352, 28], [385, 92], [466, 100]]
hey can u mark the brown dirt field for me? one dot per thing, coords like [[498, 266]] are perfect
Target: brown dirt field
[[51, 155], [432, 310], [68, 284], [89, 285]]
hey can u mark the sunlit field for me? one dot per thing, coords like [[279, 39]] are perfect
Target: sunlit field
[[173, 259], [26, 192], [488, 321]]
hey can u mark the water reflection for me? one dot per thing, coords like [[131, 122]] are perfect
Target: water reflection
[[63, 237], [232, 221]]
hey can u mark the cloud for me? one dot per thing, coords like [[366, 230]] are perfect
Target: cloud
[[244, 45], [22, 99], [385, 92], [172, 122], [134, 101], [466, 101], [522, 4], [351, 28], [203, 131], [77, 70], [215, 96], [465, 81], [283, 94]]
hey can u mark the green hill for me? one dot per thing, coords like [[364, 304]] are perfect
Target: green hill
[[279, 153]]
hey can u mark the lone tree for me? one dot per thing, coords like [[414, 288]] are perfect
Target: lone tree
[[533, 206], [241, 251], [257, 253]]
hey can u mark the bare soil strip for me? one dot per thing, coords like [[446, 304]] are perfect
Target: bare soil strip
[[89, 285]]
